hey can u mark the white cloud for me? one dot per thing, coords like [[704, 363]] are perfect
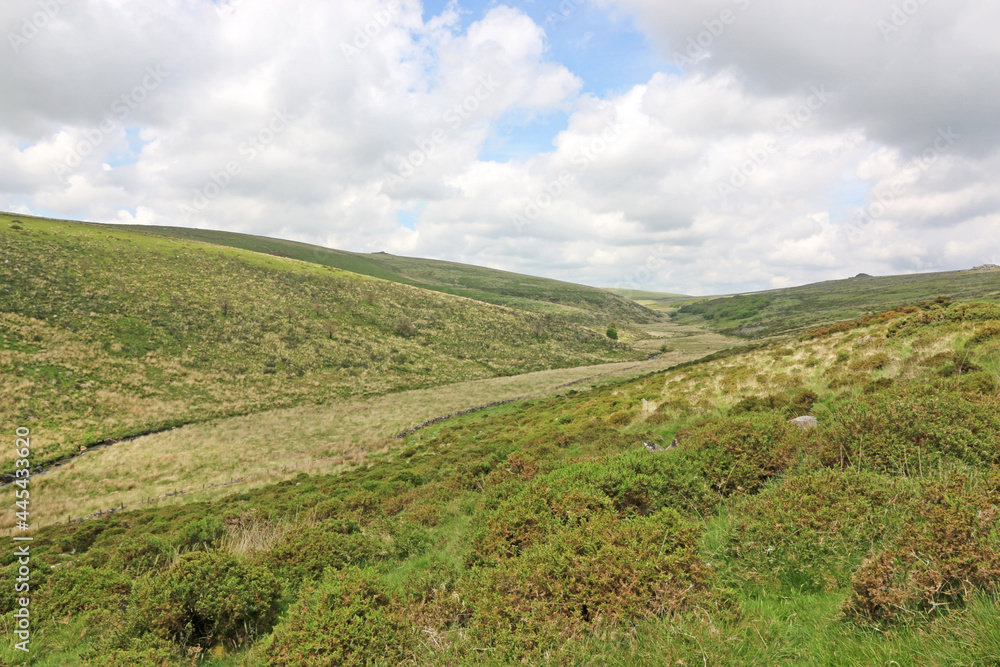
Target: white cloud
[[742, 172]]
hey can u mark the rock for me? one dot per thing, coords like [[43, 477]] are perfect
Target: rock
[[674, 445], [985, 267], [805, 422], [652, 446]]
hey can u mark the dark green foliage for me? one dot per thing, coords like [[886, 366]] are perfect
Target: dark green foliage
[[204, 533], [741, 307], [738, 454], [348, 619], [910, 429], [306, 552], [73, 589], [811, 532], [612, 333], [206, 597]]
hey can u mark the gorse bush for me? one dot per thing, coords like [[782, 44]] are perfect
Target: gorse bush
[[348, 619], [910, 429], [601, 569], [306, 552], [738, 454], [811, 532], [206, 597], [951, 550]]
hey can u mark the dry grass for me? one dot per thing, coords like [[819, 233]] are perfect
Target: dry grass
[[203, 460]]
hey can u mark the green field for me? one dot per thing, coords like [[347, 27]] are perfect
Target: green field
[[577, 303], [108, 333], [539, 531], [797, 309]]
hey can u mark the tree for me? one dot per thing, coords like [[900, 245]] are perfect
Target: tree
[[612, 333]]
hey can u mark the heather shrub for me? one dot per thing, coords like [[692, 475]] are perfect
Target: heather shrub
[[349, 618], [949, 551], [812, 531], [206, 597]]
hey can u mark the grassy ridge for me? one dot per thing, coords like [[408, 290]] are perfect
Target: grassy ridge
[[795, 309], [545, 533], [577, 303], [105, 332]]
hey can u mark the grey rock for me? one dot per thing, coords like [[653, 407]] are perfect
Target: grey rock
[[805, 422], [652, 446]]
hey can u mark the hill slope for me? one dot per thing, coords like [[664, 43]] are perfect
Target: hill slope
[[545, 532], [578, 303], [795, 309], [105, 333]]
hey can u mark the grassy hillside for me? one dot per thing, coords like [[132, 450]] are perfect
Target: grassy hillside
[[576, 303], [106, 333], [545, 533], [653, 300], [796, 309]]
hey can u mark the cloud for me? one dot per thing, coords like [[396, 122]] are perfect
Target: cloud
[[764, 160]]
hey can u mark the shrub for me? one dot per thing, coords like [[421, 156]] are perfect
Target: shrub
[[952, 550], [304, 553], [985, 333], [204, 598], [908, 429], [605, 570], [404, 326], [74, 589], [811, 532], [348, 619], [738, 454], [203, 533], [612, 333]]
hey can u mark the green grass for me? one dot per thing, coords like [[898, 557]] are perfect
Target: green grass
[[542, 532], [796, 309], [108, 333], [576, 303]]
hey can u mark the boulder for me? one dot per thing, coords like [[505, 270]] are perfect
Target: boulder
[[805, 422], [652, 446]]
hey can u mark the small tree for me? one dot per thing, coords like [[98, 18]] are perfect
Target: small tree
[[330, 329], [612, 333]]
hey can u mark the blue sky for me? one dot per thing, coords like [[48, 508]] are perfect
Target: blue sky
[[601, 46]]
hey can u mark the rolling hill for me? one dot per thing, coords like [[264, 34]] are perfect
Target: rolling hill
[[107, 333], [796, 309], [568, 530], [576, 303]]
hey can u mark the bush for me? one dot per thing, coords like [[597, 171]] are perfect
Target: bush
[[348, 619], [74, 589], [909, 429], [811, 532], [604, 571], [952, 550], [612, 333], [203, 533], [738, 454], [307, 551], [206, 597]]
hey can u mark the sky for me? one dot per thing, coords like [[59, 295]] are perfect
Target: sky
[[706, 147]]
